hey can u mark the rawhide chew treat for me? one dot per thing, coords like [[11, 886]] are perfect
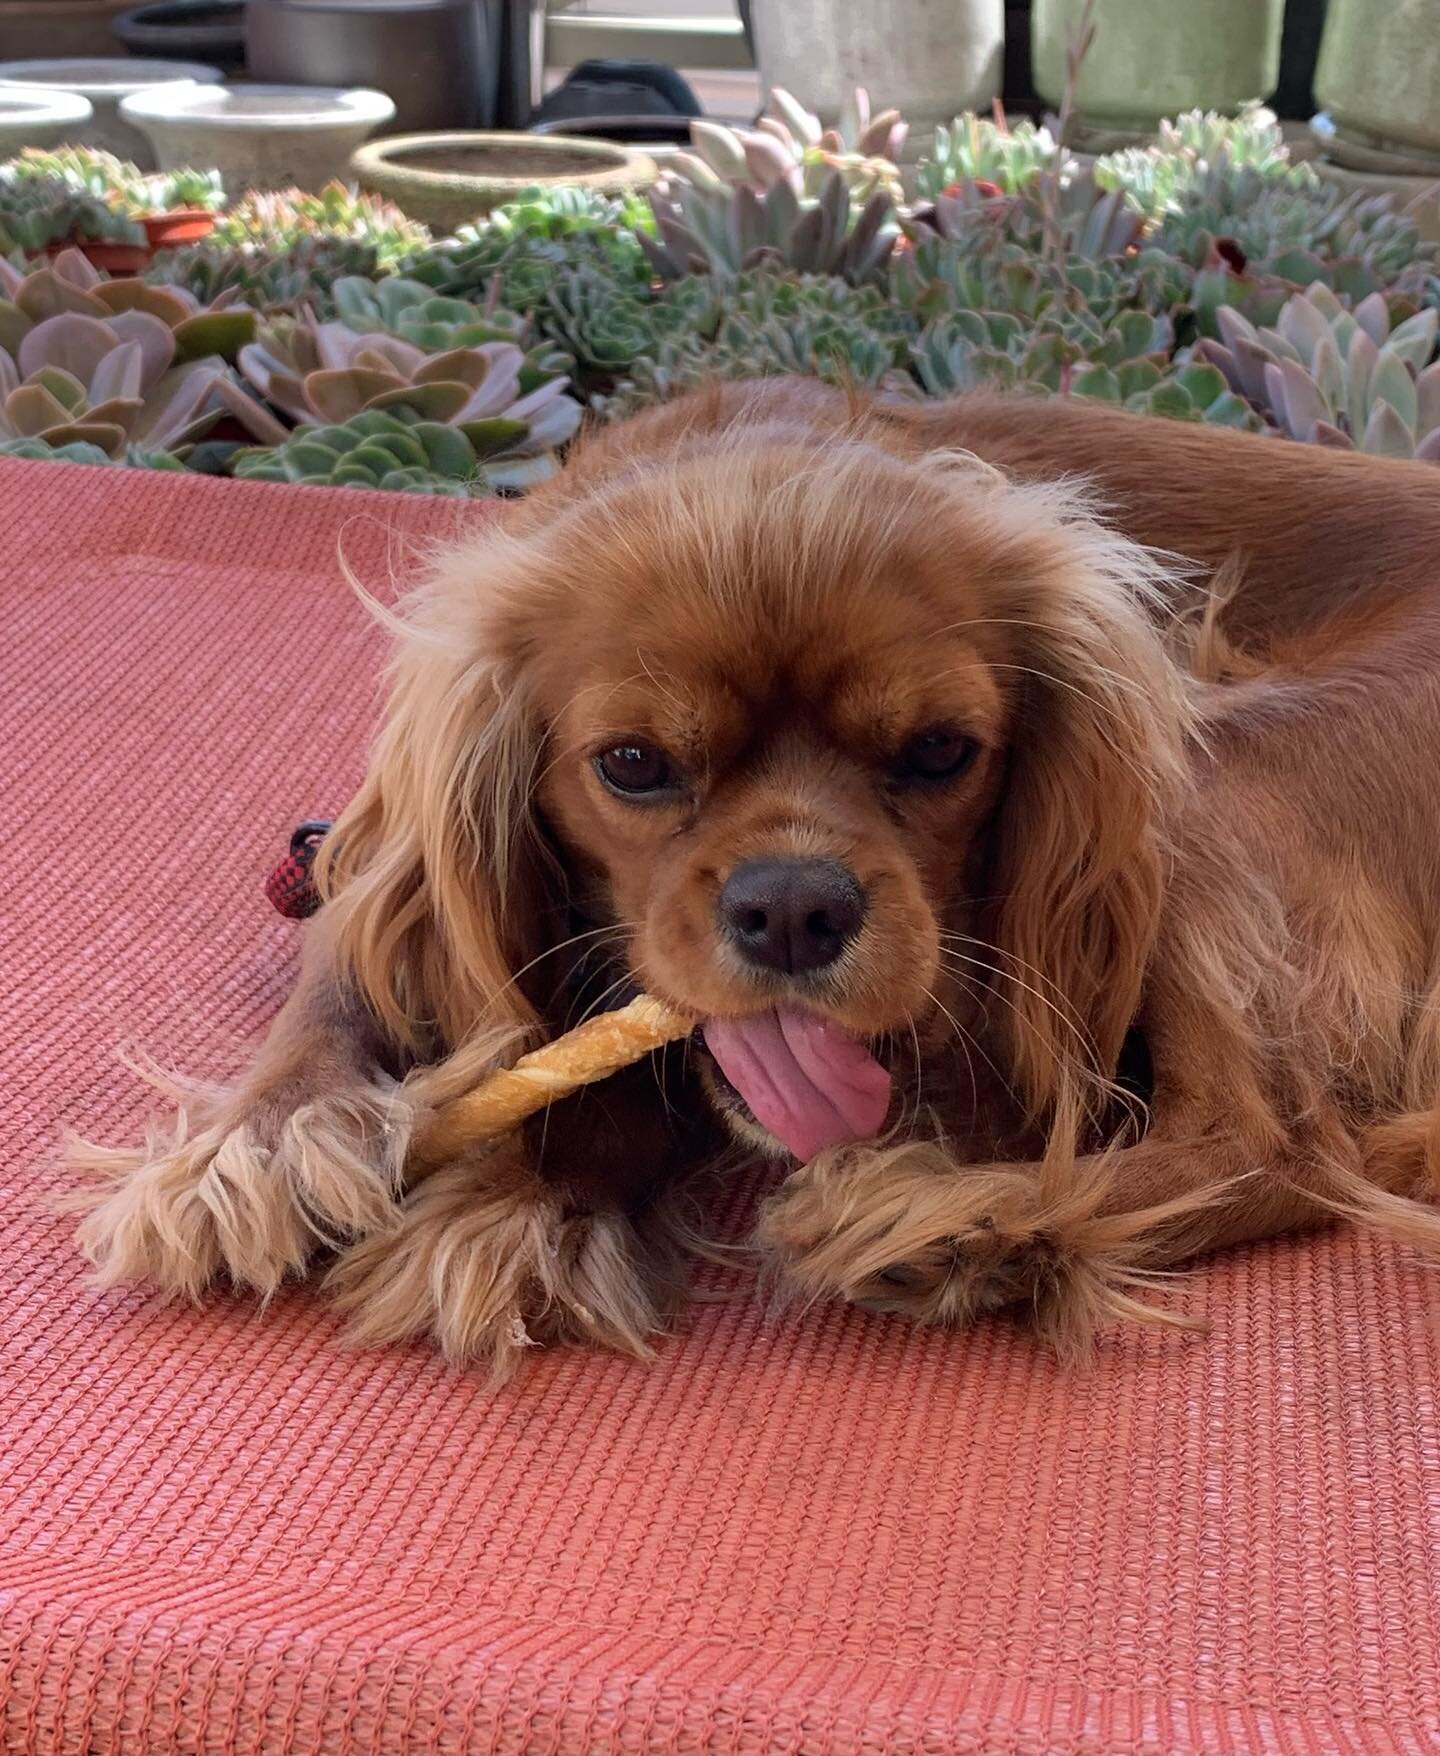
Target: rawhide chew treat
[[593, 1050]]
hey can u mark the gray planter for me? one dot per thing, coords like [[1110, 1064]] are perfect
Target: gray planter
[[1379, 79], [432, 57], [1156, 58], [929, 60]]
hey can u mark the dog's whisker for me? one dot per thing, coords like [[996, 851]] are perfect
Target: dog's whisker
[[989, 969]]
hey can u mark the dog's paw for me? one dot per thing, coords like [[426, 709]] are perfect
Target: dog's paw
[[250, 1201], [907, 1230], [489, 1263]]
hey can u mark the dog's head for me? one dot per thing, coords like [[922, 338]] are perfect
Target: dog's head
[[819, 742]]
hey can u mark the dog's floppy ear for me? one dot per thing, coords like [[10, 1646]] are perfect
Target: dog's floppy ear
[[440, 889], [1097, 755]]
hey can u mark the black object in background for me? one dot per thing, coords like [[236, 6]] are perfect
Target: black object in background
[[210, 31]]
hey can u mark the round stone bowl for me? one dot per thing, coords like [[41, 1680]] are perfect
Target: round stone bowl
[[259, 136], [105, 83], [445, 180], [40, 118]]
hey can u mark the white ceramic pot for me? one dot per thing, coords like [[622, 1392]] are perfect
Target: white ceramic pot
[[39, 118], [929, 60], [105, 84], [259, 136]]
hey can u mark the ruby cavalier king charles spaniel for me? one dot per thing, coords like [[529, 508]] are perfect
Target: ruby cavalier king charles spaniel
[[1038, 806]]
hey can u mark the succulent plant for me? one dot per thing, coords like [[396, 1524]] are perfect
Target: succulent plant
[[324, 373], [379, 448], [975, 150], [280, 249], [763, 323], [1192, 391], [167, 191], [275, 221], [303, 274], [789, 145], [120, 185], [81, 451], [934, 277], [395, 305], [515, 254], [964, 349], [1203, 148], [723, 231], [604, 328], [70, 283], [36, 211], [1338, 377], [1069, 218], [1301, 232], [113, 382], [435, 323]]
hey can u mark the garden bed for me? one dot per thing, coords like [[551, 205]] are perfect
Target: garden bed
[[327, 338]]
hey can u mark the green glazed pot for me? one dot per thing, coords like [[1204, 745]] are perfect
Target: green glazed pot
[[1155, 58], [1379, 77]]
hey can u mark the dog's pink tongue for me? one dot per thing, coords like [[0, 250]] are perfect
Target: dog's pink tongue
[[807, 1080]]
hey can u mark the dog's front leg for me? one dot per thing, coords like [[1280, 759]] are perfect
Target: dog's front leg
[[908, 1229], [564, 1231], [247, 1182]]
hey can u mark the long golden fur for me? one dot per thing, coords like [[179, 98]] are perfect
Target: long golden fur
[[1157, 971]]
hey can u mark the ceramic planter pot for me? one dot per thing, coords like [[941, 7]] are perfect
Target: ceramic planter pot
[[930, 61], [431, 56], [1418, 196], [258, 136], [1379, 80], [182, 225], [1155, 58], [187, 30], [446, 179], [104, 253], [106, 84], [40, 118]]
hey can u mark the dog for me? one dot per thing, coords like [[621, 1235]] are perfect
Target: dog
[[1054, 914]]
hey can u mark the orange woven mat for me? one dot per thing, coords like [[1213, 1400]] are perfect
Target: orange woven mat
[[830, 1534]]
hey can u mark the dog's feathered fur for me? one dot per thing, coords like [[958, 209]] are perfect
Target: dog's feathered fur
[[1214, 832]]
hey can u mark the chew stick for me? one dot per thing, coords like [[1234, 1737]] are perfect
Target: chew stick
[[594, 1050]]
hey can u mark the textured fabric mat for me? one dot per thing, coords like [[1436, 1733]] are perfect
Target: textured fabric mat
[[830, 1534]]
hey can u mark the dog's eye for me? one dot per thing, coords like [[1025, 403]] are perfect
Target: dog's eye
[[635, 768], [937, 754]]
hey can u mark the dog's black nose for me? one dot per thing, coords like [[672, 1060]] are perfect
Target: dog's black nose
[[791, 915]]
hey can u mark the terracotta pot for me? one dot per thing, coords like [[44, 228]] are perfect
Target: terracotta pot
[[929, 60], [446, 179], [113, 258], [432, 57], [1156, 58], [1379, 78], [182, 225], [259, 136]]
